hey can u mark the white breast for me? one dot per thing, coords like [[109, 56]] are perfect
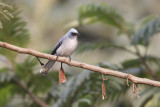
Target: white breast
[[67, 47]]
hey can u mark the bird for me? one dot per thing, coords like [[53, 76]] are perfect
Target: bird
[[65, 47]]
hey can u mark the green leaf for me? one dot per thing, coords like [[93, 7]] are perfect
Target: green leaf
[[98, 45], [142, 36], [146, 20], [25, 69], [138, 62], [92, 13], [13, 32], [153, 59], [6, 74], [109, 66], [4, 13], [83, 100], [87, 85], [149, 95], [5, 94], [131, 63], [5, 5]]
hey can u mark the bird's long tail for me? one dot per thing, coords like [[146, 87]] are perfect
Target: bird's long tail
[[46, 68]]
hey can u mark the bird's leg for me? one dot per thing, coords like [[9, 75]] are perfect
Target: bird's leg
[[69, 58], [61, 65], [39, 61], [56, 57]]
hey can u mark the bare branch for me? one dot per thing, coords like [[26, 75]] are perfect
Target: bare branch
[[131, 78]]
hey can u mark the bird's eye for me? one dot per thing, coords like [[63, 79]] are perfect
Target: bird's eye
[[74, 34]]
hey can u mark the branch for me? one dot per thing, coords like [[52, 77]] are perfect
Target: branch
[[36, 100], [131, 78]]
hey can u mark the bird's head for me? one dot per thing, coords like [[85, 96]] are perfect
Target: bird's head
[[73, 33]]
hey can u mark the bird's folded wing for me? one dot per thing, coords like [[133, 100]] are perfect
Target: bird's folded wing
[[56, 47]]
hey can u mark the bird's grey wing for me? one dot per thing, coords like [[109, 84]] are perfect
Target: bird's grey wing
[[45, 69], [56, 47]]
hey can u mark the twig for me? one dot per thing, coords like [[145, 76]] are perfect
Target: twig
[[144, 61], [127, 79], [39, 61], [132, 78], [135, 90], [103, 87]]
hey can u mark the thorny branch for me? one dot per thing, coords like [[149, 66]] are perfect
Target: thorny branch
[[134, 79]]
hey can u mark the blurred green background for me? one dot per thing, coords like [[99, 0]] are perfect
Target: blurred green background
[[121, 35]]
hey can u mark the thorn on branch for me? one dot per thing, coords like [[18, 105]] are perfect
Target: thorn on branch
[[103, 87], [135, 90]]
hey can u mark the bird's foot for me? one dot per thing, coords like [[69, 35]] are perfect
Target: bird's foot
[[69, 58], [56, 57], [69, 61]]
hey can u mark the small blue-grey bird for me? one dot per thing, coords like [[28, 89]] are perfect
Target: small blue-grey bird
[[65, 47]]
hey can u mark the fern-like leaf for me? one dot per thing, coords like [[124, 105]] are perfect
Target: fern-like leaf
[[143, 35], [5, 13], [98, 45], [91, 13], [13, 32]]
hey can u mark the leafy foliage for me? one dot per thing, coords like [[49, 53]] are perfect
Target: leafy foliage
[[142, 36], [92, 13], [13, 30], [84, 89], [5, 94], [5, 13], [5, 75], [98, 45], [105, 14], [81, 91]]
